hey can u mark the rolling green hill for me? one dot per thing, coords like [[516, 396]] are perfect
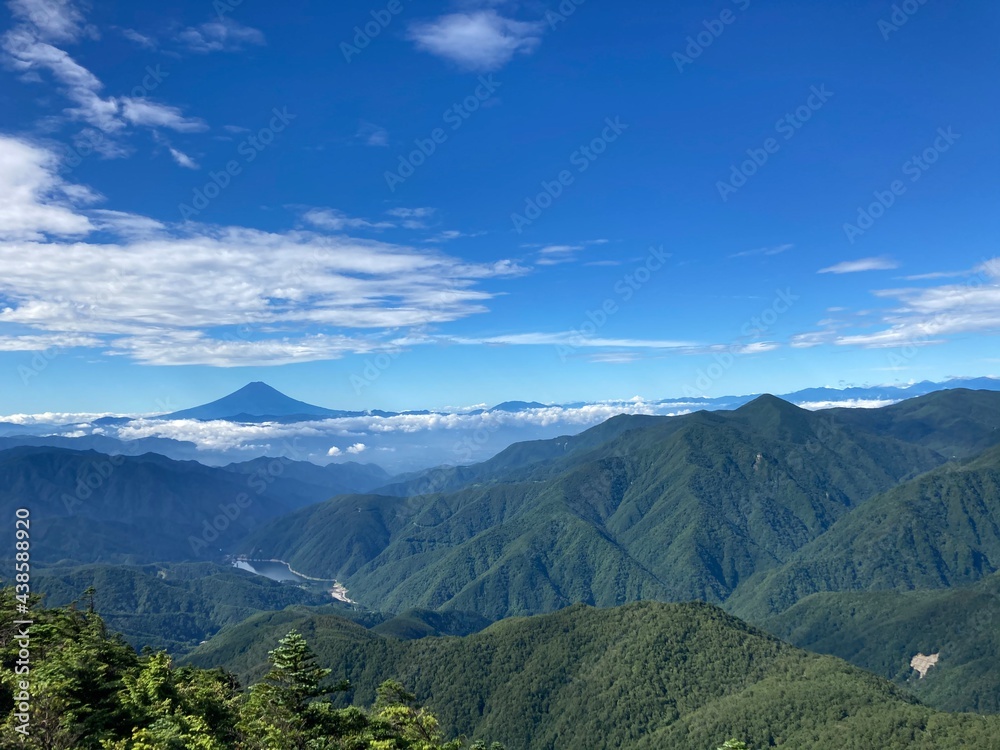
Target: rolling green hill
[[957, 423], [645, 675], [882, 630], [170, 606], [940, 529]]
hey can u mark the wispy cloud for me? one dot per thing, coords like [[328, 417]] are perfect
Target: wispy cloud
[[182, 159], [936, 275], [153, 115], [54, 20], [573, 339], [412, 218], [480, 40], [773, 250], [29, 47], [141, 39], [372, 135], [552, 255], [918, 316], [177, 295], [334, 220], [223, 35], [882, 263]]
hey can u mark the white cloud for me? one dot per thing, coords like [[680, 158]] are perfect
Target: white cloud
[[29, 48], [34, 201], [53, 20], [124, 224], [47, 342], [551, 255], [573, 339], [480, 40], [154, 292], [935, 275], [336, 221], [411, 213], [141, 39], [334, 451], [773, 250], [357, 448], [223, 35], [759, 347], [920, 316], [27, 53], [151, 114], [851, 403], [182, 159], [864, 264], [373, 135]]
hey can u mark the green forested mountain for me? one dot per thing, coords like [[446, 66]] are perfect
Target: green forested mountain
[[90, 507], [882, 631], [672, 509], [645, 675], [956, 423], [940, 529], [424, 623]]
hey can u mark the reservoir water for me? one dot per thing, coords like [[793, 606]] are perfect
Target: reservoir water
[[276, 571]]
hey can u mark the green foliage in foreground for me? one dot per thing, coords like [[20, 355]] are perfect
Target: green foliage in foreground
[[89, 690], [646, 676]]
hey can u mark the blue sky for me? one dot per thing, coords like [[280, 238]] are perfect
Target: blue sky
[[708, 162]]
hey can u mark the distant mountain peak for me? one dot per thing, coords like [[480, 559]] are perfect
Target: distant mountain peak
[[516, 406], [256, 399], [774, 416]]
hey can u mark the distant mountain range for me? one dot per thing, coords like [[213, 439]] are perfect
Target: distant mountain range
[[871, 534], [258, 401], [672, 508], [258, 420]]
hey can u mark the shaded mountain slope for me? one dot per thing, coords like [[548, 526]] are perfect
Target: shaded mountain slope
[[90, 507], [941, 529]]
